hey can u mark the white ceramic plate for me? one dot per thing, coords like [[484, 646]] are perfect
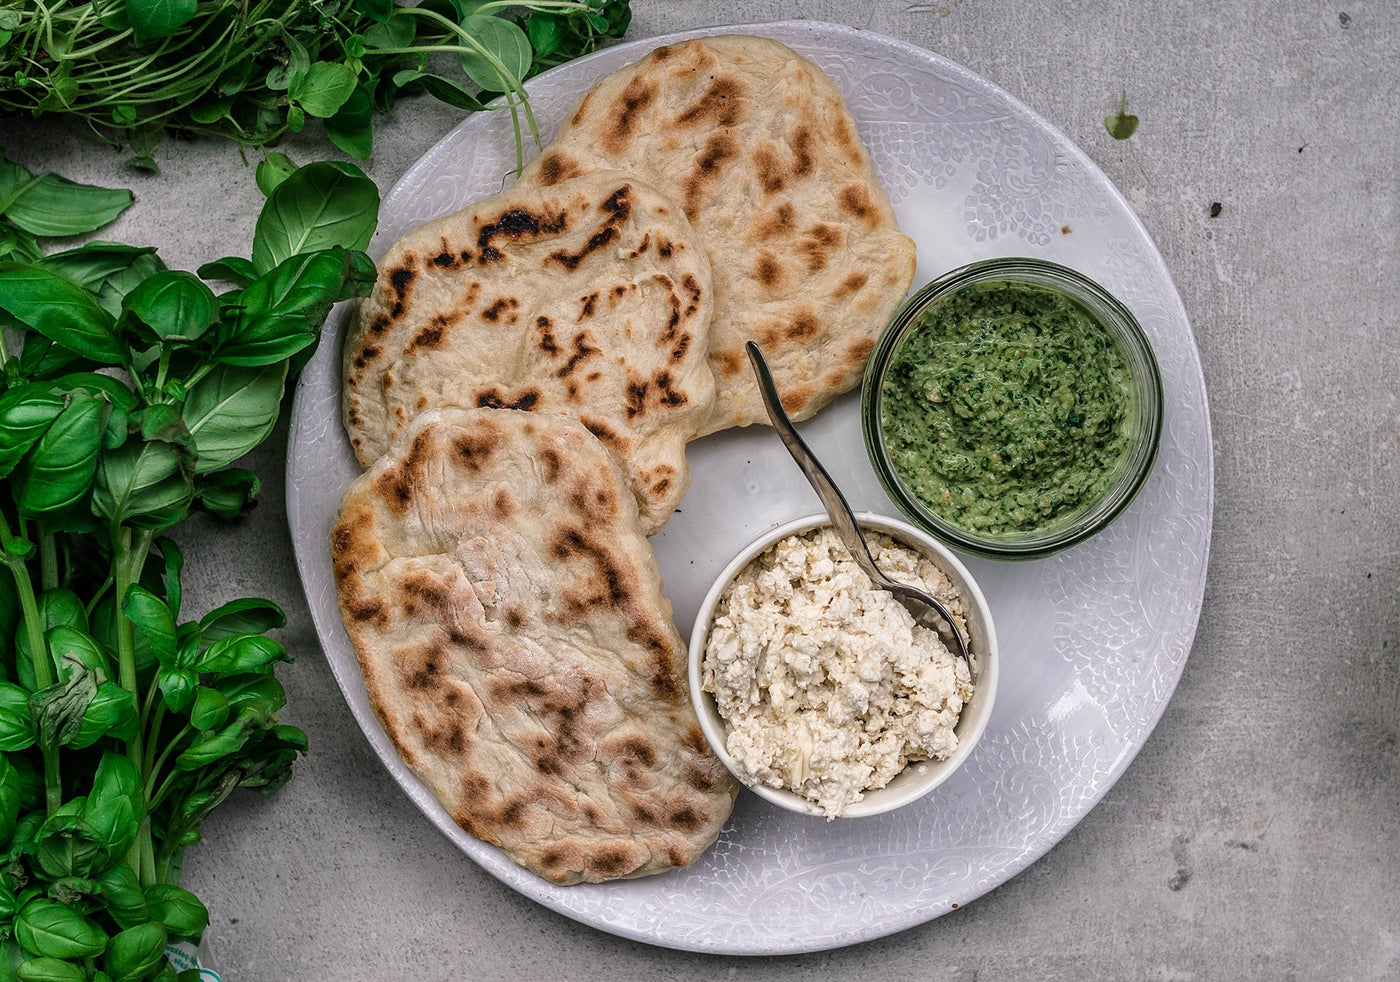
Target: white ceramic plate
[[1093, 640]]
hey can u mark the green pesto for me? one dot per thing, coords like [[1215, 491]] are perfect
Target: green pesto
[[1007, 409]]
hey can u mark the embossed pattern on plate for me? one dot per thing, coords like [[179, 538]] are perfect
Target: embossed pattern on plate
[[1093, 639]]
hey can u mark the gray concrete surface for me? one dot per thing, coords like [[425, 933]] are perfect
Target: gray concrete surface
[[1256, 836]]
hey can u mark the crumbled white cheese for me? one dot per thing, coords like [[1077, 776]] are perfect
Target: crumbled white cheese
[[827, 685]]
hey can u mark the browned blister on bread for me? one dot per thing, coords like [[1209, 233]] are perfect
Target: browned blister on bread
[[590, 298], [757, 146], [508, 616]]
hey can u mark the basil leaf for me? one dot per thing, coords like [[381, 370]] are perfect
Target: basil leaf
[[111, 713], [502, 39], [17, 728], [209, 749], [227, 494], [209, 710], [283, 310], [56, 930], [352, 127], [180, 911], [25, 413], [241, 653], [144, 484], [70, 646], [58, 470], [65, 314], [152, 20], [68, 846], [319, 206], [174, 305], [121, 889], [134, 954], [230, 269], [55, 206], [271, 171], [249, 615], [109, 270], [153, 619], [117, 803], [177, 686], [57, 607], [323, 89], [448, 91], [11, 801], [232, 410], [58, 710], [47, 969]]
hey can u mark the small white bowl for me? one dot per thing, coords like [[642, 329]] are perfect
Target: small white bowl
[[919, 777]]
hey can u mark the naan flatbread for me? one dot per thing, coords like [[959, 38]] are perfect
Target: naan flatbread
[[508, 616], [590, 298], [758, 147]]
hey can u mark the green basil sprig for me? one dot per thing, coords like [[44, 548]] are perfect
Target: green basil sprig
[[125, 720], [255, 70]]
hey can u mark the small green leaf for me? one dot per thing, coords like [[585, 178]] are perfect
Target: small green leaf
[[111, 713], [153, 619], [231, 411], [228, 493], [145, 484], [174, 305], [396, 32], [378, 11], [249, 615], [17, 727], [506, 55], [132, 955], [108, 269], [152, 20], [182, 913], [209, 710], [55, 206], [546, 33], [57, 472], [230, 269], [65, 314], [352, 127], [1122, 125], [242, 653], [46, 969], [177, 686], [117, 804], [271, 171], [126, 902], [323, 89], [318, 207], [447, 91]]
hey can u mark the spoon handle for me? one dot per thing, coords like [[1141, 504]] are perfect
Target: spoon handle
[[842, 518]]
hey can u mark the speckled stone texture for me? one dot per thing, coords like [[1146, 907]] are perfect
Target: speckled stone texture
[[1256, 835]]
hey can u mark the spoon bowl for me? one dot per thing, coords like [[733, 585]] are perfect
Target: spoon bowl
[[928, 611]]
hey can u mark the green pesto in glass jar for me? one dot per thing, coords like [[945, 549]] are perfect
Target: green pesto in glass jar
[[1007, 409]]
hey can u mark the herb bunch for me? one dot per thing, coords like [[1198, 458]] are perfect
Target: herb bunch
[[254, 70], [128, 391]]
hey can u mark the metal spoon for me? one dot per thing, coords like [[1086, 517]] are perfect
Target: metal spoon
[[928, 611]]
